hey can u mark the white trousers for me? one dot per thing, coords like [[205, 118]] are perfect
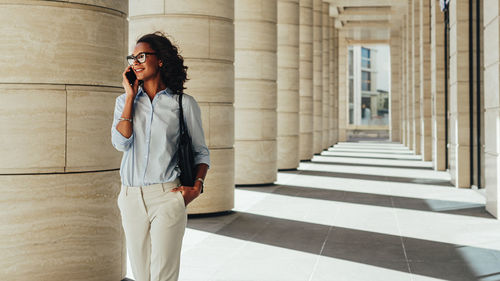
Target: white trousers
[[154, 220]]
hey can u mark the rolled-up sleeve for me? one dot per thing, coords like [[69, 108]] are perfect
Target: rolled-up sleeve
[[120, 142], [192, 116]]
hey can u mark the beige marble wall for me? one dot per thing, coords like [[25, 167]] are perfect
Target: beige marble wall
[[417, 134], [396, 77], [58, 91], [61, 227], [333, 70], [459, 148], [425, 82], [204, 32], [306, 80], [317, 76], [255, 91], [325, 76], [491, 21], [288, 84], [437, 88], [342, 85]]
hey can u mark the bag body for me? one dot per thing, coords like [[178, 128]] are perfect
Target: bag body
[[185, 152]]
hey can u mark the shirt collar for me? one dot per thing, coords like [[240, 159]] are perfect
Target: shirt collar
[[165, 91]]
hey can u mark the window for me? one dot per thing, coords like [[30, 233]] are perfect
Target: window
[[351, 62], [366, 81], [365, 58]]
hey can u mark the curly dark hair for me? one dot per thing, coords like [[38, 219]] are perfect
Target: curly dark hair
[[173, 71]]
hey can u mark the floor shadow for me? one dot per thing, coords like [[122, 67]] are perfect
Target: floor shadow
[[330, 162], [373, 151], [434, 259], [371, 177], [428, 205]]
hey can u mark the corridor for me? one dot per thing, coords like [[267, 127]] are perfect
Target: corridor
[[359, 211]]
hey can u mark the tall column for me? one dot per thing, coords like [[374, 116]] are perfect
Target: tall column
[[58, 170], [255, 91], [288, 84], [409, 77], [306, 80], [333, 68], [425, 81], [416, 77], [404, 84], [342, 85], [396, 77], [437, 88], [204, 32], [459, 94], [317, 76], [325, 27], [491, 21]]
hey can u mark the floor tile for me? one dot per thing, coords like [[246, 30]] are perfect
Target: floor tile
[[332, 269]]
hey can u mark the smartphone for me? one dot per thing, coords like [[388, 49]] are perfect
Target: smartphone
[[131, 77]]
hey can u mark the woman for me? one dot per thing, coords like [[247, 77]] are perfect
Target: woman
[[146, 128]]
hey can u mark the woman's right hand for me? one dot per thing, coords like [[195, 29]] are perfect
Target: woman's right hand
[[130, 90]]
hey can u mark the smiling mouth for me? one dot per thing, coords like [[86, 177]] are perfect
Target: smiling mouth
[[139, 70]]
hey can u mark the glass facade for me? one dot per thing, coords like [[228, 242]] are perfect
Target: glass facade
[[366, 80], [365, 58]]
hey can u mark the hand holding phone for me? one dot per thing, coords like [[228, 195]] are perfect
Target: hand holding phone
[[130, 82]]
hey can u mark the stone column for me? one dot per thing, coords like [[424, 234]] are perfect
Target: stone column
[[396, 77], [409, 77], [404, 84], [204, 32], [416, 76], [437, 88], [459, 148], [326, 76], [425, 81], [317, 76], [255, 91], [59, 173], [491, 21], [333, 68], [306, 81], [288, 84], [342, 85]]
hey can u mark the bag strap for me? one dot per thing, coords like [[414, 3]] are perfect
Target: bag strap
[[181, 116]]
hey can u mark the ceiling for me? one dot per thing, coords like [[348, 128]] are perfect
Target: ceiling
[[367, 21]]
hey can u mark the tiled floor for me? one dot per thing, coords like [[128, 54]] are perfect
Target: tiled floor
[[359, 211]]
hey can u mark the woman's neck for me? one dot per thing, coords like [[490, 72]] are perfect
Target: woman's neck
[[153, 86]]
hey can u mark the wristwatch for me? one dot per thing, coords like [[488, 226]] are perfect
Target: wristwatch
[[202, 183]]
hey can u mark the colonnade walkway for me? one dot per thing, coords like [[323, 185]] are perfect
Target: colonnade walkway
[[359, 211]]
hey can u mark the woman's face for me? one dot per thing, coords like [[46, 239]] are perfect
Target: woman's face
[[151, 67]]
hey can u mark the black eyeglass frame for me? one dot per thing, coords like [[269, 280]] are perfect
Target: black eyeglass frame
[[131, 58]]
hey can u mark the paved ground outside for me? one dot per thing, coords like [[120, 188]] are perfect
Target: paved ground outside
[[359, 211]]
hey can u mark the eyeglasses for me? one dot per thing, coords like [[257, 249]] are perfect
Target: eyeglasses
[[140, 58]]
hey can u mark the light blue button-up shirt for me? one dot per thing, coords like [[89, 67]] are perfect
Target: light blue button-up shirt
[[150, 154]]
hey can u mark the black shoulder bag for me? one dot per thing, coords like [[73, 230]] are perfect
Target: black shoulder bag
[[185, 151]]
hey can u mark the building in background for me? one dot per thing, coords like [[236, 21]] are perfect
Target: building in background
[[369, 91]]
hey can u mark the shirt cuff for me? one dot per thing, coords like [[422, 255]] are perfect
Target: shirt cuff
[[119, 141], [205, 159]]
